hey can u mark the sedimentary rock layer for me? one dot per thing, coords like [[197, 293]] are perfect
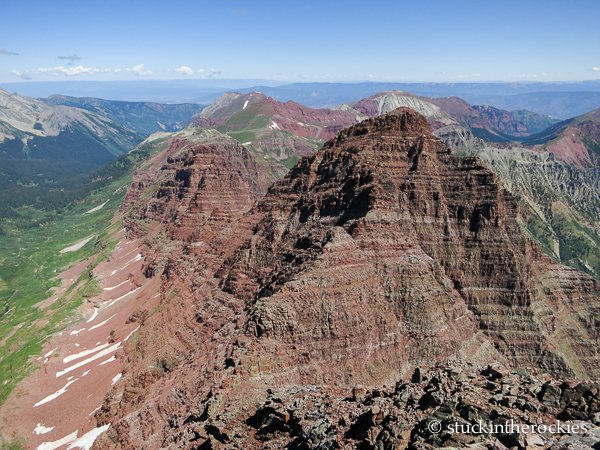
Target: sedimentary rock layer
[[379, 253]]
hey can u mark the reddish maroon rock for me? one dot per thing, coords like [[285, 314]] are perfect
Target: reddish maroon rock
[[380, 253]]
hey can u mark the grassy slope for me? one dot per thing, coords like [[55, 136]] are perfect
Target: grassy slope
[[30, 258]]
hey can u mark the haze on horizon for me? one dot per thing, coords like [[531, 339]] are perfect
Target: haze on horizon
[[401, 41]]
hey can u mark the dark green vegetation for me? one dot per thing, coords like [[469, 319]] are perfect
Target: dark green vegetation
[[44, 186], [488, 136], [142, 117], [46, 146], [548, 134], [30, 244], [75, 143]]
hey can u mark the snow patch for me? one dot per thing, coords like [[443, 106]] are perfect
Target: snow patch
[[274, 126], [97, 208], [129, 335], [95, 410], [84, 353], [137, 258], [111, 359], [93, 315], [114, 287], [41, 429], [86, 441], [123, 296], [116, 378], [245, 104], [99, 355], [77, 331], [57, 394], [77, 245], [101, 323], [85, 373], [54, 445], [47, 355]]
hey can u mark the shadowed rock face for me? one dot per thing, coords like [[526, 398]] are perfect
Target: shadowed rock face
[[379, 253]]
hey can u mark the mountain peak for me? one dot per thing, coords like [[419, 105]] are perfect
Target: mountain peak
[[403, 120]]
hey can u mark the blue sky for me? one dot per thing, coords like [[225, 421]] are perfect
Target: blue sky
[[425, 40]]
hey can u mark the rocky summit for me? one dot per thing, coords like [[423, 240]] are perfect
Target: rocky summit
[[376, 256]]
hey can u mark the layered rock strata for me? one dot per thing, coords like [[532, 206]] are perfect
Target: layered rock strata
[[379, 253]]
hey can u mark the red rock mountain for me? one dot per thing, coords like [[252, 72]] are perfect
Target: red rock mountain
[[279, 131], [489, 123], [379, 253], [576, 141]]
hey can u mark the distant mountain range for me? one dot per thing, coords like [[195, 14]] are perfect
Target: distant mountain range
[[46, 143], [283, 132], [557, 99], [143, 117], [32, 129]]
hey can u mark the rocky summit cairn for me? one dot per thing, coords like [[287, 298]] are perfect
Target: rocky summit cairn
[[377, 255]]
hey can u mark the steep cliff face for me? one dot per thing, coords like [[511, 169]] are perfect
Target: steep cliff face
[[379, 253]]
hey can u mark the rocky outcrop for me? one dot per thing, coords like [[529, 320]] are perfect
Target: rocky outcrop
[[378, 254], [445, 406], [460, 139], [559, 203]]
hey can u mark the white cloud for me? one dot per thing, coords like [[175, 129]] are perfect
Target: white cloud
[[476, 74], [596, 69], [545, 74], [527, 76], [22, 75], [72, 57], [184, 70], [462, 75], [70, 71], [139, 70]]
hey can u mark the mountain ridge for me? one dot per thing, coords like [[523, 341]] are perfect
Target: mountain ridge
[[338, 278]]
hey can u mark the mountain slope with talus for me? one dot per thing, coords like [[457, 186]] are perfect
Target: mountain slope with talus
[[575, 141], [275, 131], [34, 129], [380, 253], [184, 198], [142, 117]]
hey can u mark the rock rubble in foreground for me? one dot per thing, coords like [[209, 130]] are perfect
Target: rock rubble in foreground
[[445, 406]]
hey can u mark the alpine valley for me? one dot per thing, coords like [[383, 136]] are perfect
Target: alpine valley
[[261, 274]]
